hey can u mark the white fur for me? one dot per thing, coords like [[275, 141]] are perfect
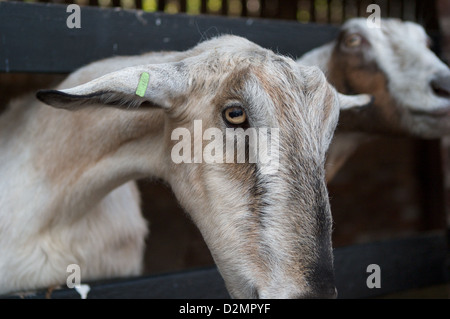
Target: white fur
[[411, 68], [34, 255], [399, 50], [66, 195]]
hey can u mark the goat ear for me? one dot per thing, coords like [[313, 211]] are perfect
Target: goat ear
[[354, 101], [154, 85]]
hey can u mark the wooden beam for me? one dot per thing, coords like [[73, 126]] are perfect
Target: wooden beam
[[408, 263], [35, 37]]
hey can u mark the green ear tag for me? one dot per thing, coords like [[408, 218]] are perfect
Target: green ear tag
[[142, 85]]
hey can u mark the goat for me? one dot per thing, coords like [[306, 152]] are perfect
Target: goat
[[394, 64], [66, 175]]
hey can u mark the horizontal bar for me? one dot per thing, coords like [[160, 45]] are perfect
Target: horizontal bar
[[405, 264], [35, 37]]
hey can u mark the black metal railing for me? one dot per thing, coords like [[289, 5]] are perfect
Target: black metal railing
[[319, 11]]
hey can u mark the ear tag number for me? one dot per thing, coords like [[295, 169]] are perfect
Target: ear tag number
[[142, 85]]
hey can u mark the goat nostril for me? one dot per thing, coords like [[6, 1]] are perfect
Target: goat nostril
[[320, 293], [327, 293], [333, 293], [441, 86]]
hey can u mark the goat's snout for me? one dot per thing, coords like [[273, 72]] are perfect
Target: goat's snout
[[441, 86], [322, 284], [325, 291], [321, 292]]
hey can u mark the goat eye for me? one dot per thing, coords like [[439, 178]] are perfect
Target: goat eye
[[353, 41], [234, 115]]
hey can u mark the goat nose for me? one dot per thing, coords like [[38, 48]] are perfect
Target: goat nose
[[441, 86], [324, 292]]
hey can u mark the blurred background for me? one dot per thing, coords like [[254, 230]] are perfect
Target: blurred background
[[390, 188]]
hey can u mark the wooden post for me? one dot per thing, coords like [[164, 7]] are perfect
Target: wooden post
[[288, 10], [161, 5]]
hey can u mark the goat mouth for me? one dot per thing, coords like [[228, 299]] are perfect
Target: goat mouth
[[440, 91], [442, 112]]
